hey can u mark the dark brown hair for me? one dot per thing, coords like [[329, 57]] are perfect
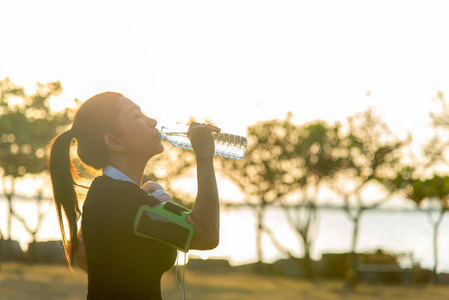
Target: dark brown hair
[[92, 121]]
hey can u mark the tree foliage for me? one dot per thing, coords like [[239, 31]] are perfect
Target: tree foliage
[[287, 164], [265, 174], [27, 124], [317, 154], [420, 187], [431, 190], [374, 156]]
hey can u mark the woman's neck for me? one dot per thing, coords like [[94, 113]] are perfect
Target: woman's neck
[[131, 169]]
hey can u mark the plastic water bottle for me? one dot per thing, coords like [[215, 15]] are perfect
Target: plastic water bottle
[[226, 145]]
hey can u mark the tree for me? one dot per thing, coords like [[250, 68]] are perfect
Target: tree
[[375, 154], [27, 124], [287, 164], [263, 174], [433, 190], [314, 157], [435, 150]]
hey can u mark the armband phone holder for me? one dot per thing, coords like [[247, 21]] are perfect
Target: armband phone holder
[[166, 223]]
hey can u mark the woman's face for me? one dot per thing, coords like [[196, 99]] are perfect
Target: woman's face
[[137, 131]]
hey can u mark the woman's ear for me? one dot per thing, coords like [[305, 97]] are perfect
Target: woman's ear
[[113, 142]]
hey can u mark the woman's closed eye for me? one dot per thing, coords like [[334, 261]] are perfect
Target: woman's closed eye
[[137, 113]]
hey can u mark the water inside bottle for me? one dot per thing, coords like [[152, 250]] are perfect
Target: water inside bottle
[[178, 139], [226, 145]]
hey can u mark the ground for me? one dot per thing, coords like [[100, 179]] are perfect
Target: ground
[[36, 282]]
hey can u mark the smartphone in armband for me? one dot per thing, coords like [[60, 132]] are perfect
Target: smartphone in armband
[[166, 223]]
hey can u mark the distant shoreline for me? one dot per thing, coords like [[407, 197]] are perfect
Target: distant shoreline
[[230, 204]]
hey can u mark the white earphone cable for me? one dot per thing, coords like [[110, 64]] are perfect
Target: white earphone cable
[[181, 285]]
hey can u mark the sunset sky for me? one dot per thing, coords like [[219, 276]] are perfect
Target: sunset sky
[[236, 62]]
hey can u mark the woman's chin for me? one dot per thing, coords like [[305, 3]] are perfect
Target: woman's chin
[[159, 149], [162, 148]]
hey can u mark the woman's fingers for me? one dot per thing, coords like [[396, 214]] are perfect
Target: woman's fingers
[[212, 128], [200, 136]]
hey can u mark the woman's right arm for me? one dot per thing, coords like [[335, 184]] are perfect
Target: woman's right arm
[[205, 214]]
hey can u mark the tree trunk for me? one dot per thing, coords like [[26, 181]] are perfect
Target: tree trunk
[[353, 260], [304, 232], [9, 195], [308, 268], [353, 276], [1, 249], [259, 231], [436, 227], [40, 215], [9, 225]]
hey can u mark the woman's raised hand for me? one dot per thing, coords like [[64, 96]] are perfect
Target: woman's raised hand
[[200, 136]]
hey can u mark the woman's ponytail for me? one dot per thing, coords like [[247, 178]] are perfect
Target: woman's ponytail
[[64, 192], [92, 121]]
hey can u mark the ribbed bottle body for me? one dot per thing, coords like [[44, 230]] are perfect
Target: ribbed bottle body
[[226, 144]]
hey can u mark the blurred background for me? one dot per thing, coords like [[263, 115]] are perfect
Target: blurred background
[[343, 103]]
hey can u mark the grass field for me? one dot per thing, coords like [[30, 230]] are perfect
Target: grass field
[[30, 282]]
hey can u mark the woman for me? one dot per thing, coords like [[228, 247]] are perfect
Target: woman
[[113, 135]]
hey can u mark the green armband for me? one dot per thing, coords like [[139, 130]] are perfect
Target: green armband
[[165, 223]]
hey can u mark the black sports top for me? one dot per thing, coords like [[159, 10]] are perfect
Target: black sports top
[[121, 265]]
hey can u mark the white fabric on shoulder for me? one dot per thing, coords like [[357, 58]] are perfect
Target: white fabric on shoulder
[[161, 195], [156, 190]]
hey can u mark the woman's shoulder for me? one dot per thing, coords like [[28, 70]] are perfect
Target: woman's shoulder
[[107, 183], [105, 188]]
